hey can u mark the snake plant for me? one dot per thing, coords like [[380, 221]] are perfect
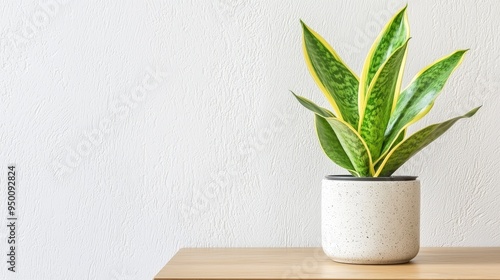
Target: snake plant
[[366, 132]]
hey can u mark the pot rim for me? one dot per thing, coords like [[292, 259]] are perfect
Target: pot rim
[[376, 179]]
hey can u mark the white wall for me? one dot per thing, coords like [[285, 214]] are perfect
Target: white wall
[[201, 142]]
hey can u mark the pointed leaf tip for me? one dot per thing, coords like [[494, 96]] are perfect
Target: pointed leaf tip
[[473, 111], [336, 80], [303, 24], [413, 144], [418, 98], [325, 113], [394, 34]]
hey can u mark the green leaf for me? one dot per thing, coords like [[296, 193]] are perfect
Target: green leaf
[[354, 147], [380, 98], [313, 107], [409, 147], [338, 83], [327, 137], [331, 144], [392, 37], [418, 98], [400, 138]]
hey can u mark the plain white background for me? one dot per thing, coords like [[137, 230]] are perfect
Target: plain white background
[[140, 127]]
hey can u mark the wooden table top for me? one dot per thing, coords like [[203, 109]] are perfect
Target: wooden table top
[[311, 263]]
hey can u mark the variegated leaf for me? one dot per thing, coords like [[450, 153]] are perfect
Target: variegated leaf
[[331, 144], [392, 37], [418, 98], [313, 107], [354, 147], [386, 83], [409, 147], [336, 80], [327, 137], [400, 138]]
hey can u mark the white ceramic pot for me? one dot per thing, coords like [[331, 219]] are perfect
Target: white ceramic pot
[[370, 220]]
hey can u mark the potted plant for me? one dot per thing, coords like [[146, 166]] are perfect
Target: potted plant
[[370, 216]]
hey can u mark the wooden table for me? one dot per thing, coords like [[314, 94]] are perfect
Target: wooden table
[[311, 263]]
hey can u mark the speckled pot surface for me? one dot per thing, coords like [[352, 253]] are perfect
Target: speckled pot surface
[[370, 222]]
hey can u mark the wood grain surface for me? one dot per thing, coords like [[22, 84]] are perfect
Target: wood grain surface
[[311, 263]]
